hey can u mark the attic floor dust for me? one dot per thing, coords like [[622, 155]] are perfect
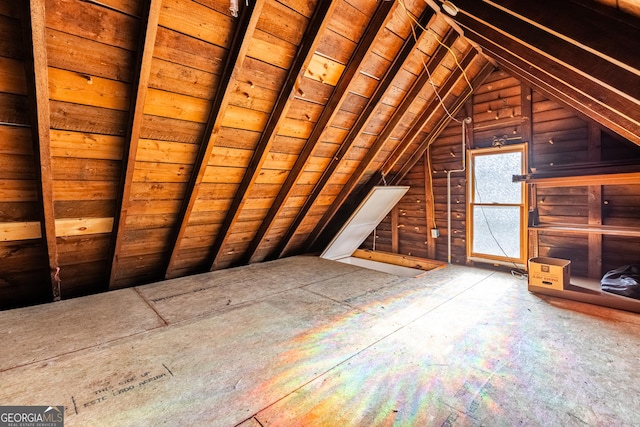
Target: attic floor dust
[[305, 341]]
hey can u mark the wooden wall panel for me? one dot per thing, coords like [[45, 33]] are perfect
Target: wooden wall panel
[[23, 260], [558, 137]]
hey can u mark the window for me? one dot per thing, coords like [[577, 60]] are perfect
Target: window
[[496, 227]]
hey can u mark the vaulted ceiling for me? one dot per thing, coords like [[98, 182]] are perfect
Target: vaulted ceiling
[[153, 139]]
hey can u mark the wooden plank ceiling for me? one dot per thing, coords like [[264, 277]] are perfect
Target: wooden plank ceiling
[[151, 139]]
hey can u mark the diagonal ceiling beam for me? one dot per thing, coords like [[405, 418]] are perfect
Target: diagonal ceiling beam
[[34, 28], [351, 137], [442, 122], [303, 57], [579, 67], [434, 105], [246, 26], [148, 31], [417, 87], [375, 25], [330, 228]]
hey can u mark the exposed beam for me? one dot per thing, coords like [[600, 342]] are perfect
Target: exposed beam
[[433, 106], [567, 66], [303, 57], [423, 79], [577, 24], [376, 24], [331, 227], [443, 121], [147, 40], [246, 26], [361, 122], [36, 64], [394, 229]]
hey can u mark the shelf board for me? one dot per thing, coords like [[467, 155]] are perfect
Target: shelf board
[[589, 291], [585, 228], [580, 180]]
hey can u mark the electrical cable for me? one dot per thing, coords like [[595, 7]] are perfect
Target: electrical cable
[[437, 39], [517, 272]]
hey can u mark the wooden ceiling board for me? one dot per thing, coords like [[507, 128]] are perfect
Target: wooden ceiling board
[[99, 23], [417, 86], [340, 94], [276, 121], [181, 138]]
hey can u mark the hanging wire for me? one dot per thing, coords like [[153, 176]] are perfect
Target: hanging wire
[[517, 271], [436, 37]]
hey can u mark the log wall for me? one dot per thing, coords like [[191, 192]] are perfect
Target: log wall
[[558, 137]]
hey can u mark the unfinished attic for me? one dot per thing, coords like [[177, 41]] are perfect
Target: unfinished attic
[[179, 179]]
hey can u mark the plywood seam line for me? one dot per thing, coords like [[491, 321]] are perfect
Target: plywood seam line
[[34, 28], [148, 32], [237, 51], [577, 80], [437, 57], [303, 57], [354, 131], [376, 24]]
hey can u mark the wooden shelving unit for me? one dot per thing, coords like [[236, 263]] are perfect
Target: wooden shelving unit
[[582, 180], [584, 289]]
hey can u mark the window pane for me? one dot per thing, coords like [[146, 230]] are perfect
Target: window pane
[[494, 178], [496, 231]]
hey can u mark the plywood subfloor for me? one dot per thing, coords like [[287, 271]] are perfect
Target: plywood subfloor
[[305, 341]]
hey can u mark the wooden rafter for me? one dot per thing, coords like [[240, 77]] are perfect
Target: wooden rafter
[[375, 25], [603, 85], [435, 105], [417, 87], [34, 27], [444, 120], [322, 236], [247, 22], [148, 31], [303, 57], [361, 122]]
